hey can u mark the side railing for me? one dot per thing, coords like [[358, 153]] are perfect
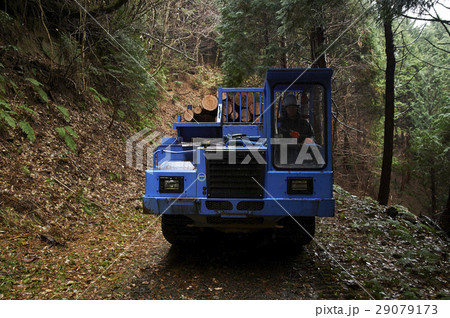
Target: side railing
[[241, 105]]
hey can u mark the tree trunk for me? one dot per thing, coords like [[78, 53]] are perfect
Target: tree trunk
[[284, 57], [317, 42], [448, 202], [433, 191], [444, 220], [385, 180]]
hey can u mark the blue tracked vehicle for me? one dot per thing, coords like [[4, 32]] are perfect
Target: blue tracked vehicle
[[244, 172]]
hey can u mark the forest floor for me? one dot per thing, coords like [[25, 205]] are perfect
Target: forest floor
[[71, 223]]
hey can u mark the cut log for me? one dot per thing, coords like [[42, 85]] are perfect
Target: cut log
[[224, 96], [255, 109], [228, 109], [210, 102], [236, 97], [257, 112], [188, 115], [249, 98], [231, 117], [242, 99], [197, 110], [246, 115]]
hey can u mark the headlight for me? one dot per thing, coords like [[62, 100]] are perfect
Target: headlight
[[300, 185], [171, 184]]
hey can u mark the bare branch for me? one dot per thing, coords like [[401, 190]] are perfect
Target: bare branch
[[424, 19], [168, 46], [340, 122], [431, 64], [412, 42], [437, 47]]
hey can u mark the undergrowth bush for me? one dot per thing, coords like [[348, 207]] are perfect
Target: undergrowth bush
[[109, 56]]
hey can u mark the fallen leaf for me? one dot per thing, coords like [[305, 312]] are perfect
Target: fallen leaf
[[28, 259]]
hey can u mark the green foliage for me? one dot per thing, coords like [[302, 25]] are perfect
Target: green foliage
[[376, 288], [423, 108], [391, 9], [161, 75], [7, 118], [121, 114], [26, 170], [99, 97], [5, 115], [64, 111], [115, 176], [27, 109], [68, 134], [248, 38], [88, 207], [28, 130], [5, 111], [37, 86], [2, 84], [126, 73]]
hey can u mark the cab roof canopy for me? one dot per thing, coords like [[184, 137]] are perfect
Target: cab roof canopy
[[299, 75]]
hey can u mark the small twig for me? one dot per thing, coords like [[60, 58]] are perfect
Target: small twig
[[168, 46], [343, 124]]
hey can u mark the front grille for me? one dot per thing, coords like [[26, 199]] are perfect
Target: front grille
[[219, 205], [250, 205], [227, 180], [220, 220]]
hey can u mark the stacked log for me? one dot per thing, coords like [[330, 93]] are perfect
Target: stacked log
[[244, 104], [206, 111], [210, 102], [188, 115], [256, 112], [197, 109]]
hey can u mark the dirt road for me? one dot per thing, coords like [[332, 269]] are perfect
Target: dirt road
[[369, 255], [233, 268]]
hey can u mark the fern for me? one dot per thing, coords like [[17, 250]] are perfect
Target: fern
[[28, 130], [70, 142], [61, 131], [2, 84], [121, 114], [99, 97], [34, 82], [7, 118], [14, 86], [37, 87], [67, 133], [71, 132], [64, 111], [27, 109], [5, 104]]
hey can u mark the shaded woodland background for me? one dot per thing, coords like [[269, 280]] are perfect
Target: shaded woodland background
[[239, 40]]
